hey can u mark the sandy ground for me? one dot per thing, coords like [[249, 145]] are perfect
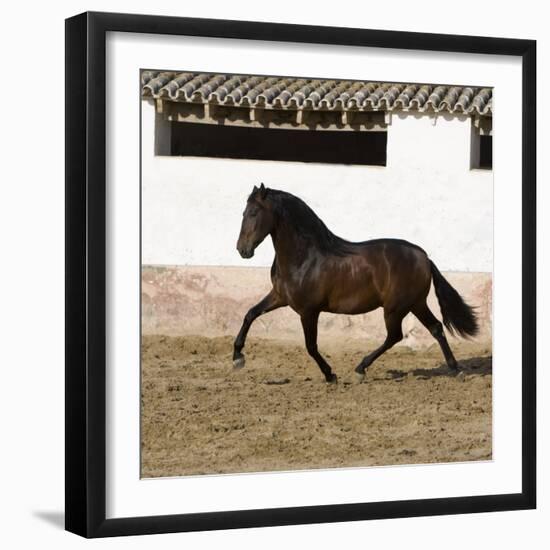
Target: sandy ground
[[199, 416]]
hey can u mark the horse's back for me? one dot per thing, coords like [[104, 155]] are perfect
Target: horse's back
[[395, 245]]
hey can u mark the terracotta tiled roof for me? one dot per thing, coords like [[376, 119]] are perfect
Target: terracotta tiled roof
[[312, 94]]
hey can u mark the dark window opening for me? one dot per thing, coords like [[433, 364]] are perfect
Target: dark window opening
[[486, 152], [241, 142], [481, 144]]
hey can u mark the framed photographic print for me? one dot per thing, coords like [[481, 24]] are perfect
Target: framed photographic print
[[300, 274]]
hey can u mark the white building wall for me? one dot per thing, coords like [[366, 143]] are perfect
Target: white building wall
[[427, 194]]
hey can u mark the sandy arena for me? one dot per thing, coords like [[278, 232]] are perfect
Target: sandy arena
[[199, 416]]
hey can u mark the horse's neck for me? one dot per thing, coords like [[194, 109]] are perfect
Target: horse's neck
[[291, 248]]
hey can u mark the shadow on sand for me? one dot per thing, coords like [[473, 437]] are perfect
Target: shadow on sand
[[480, 366]]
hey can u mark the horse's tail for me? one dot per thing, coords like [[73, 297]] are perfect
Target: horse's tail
[[458, 316]]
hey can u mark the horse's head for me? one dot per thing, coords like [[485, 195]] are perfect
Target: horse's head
[[258, 222]]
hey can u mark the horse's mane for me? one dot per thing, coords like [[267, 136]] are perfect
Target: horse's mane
[[296, 213]]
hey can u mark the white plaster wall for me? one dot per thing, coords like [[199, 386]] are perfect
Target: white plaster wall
[[192, 207]]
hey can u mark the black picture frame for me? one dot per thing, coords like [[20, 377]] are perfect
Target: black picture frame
[[86, 274]]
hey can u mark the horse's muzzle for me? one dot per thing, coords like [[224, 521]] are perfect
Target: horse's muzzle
[[246, 253], [246, 250]]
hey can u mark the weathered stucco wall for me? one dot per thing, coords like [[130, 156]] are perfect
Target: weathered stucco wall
[[192, 210], [212, 301]]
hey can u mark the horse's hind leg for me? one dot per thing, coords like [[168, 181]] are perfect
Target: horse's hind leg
[[309, 324], [269, 303], [393, 321], [429, 320]]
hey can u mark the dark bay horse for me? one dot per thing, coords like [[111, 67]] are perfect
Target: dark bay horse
[[314, 271]]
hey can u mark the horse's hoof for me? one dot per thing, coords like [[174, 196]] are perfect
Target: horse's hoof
[[238, 363], [461, 376], [333, 379], [360, 377]]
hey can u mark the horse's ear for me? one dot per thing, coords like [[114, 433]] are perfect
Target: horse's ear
[[263, 191], [255, 189]]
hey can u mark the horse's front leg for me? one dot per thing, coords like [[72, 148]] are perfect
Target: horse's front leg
[[309, 324], [269, 303]]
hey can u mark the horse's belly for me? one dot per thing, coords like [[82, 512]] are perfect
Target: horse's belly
[[353, 303], [353, 292]]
